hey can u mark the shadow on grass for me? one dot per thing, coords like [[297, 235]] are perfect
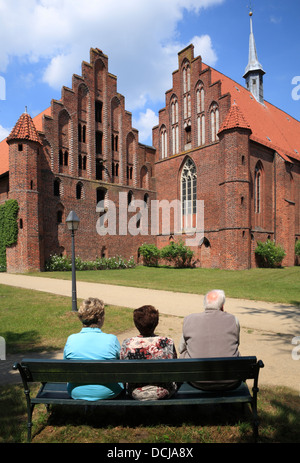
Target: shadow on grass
[[28, 341], [279, 413]]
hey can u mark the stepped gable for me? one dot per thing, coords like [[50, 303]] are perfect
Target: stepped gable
[[24, 130], [234, 119]]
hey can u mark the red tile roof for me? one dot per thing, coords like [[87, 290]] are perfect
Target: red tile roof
[[24, 130], [234, 118], [270, 126], [4, 148]]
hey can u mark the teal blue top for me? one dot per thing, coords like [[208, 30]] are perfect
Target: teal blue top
[[92, 344]]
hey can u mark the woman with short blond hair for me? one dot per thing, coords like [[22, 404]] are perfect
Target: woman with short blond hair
[[92, 344]]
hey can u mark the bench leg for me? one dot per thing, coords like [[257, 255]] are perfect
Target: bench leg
[[29, 421], [255, 414], [30, 408]]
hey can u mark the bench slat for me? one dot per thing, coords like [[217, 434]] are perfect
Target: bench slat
[[134, 371], [56, 393]]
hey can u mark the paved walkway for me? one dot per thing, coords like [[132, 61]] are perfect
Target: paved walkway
[[267, 329]]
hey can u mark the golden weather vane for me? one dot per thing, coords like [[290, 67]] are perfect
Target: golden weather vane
[[250, 8]]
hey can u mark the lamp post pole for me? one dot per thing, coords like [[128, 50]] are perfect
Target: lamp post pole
[[73, 222], [74, 292]]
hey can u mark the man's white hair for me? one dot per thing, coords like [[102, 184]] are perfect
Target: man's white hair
[[214, 299]]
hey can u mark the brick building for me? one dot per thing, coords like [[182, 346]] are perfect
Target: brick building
[[79, 152], [217, 143]]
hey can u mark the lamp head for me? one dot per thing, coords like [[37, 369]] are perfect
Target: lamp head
[[72, 221]]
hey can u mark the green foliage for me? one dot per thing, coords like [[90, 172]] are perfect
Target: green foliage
[[297, 248], [63, 263], [2, 240], [8, 228], [150, 253], [177, 254], [269, 254], [10, 222]]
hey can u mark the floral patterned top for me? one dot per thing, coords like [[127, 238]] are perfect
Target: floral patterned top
[[155, 347]]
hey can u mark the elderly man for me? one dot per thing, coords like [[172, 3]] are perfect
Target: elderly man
[[212, 333]]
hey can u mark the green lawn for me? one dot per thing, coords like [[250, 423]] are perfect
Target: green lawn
[[33, 321], [278, 408], [274, 285]]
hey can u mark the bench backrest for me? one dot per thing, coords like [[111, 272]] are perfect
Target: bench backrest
[[137, 371]]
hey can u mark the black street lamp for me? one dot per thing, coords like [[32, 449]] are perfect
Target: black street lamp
[[72, 222]]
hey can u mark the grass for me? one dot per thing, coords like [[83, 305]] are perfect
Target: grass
[[273, 285], [33, 321], [279, 412]]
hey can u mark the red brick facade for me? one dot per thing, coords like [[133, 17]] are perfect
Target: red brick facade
[[88, 152], [214, 143], [226, 157]]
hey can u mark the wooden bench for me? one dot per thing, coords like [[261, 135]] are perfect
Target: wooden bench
[[54, 375]]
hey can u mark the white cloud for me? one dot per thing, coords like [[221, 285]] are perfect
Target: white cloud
[[146, 121], [135, 34], [4, 132], [275, 20], [140, 38], [203, 46]]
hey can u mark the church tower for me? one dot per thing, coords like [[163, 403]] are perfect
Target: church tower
[[24, 145], [254, 71]]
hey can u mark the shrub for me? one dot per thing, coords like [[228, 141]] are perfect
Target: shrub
[[297, 252], [269, 254], [177, 254], [150, 253], [63, 263]]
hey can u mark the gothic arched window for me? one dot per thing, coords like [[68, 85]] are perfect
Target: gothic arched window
[[258, 186], [189, 194]]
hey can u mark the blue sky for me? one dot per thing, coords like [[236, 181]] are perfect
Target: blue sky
[[43, 43]]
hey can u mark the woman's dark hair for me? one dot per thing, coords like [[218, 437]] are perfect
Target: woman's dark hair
[[146, 319]]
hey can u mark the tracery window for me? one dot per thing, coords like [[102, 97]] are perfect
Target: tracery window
[[189, 195]]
